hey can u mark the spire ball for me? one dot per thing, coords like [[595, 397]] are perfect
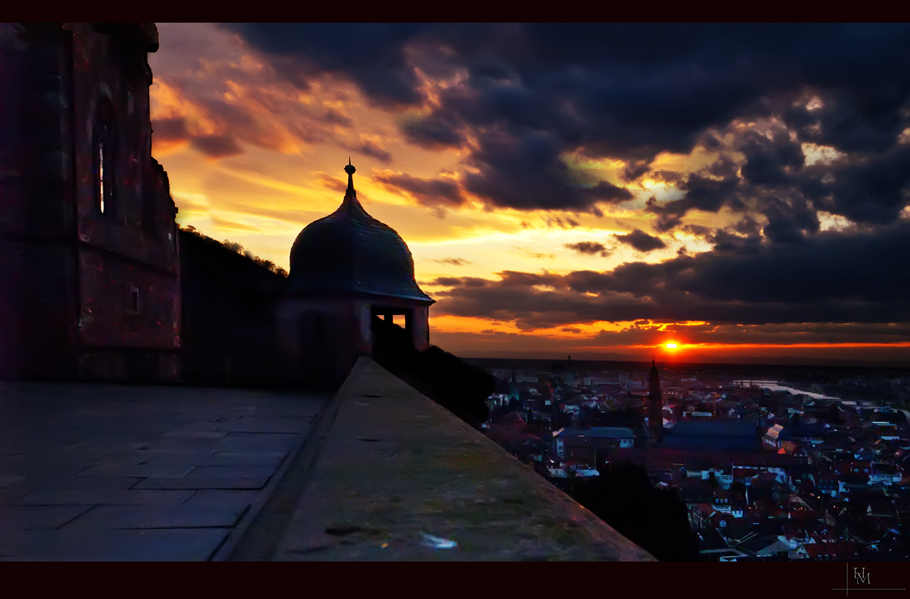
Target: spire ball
[[349, 169]]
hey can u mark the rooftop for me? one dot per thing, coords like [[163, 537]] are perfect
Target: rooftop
[[598, 432], [350, 252]]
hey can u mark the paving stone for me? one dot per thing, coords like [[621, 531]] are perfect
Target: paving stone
[[16, 490], [244, 410], [93, 483], [188, 455], [38, 517], [260, 424], [104, 497], [236, 442], [140, 470], [307, 407], [87, 447], [217, 497], [114, 545], [183, 444], [187, 515], [201, 482], [6, 481], [232, 472], [224, 459], [184, 434], [46, 470], [67, 450]]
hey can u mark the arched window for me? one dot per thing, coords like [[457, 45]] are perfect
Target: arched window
[[103, 157]]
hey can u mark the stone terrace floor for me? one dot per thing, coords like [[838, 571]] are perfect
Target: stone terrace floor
[[107, 472]]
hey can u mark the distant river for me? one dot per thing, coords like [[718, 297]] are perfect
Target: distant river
[[773, 386]]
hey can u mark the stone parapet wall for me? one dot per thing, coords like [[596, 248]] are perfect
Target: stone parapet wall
[[389, 470]]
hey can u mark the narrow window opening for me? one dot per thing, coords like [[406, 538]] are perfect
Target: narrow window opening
[[104, 151], [101, 178], [134, 300]]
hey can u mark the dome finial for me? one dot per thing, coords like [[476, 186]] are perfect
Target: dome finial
[[350, 170]]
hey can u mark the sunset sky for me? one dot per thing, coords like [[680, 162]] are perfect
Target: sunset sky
[[594, 190]]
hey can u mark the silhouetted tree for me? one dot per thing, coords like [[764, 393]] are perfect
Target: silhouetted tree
[[460, 387], [834, 415], [228, 314], [654, 519], [738, 488]]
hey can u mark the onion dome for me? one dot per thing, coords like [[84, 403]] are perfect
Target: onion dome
[[350, 252]]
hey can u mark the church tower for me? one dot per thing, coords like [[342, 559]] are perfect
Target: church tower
[[570, 375], [513, 391], [655, 405]]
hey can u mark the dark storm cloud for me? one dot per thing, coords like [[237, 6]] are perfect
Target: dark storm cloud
[[170, 129], [788, 222], [371, 54], [769, 160], [526, 172], [428, 192], [726, 242], [556, 221], [373, 149], [829, 278], [589, 247], [872, 190], [535, 92], [336, 118], [217, 146], [432, 133], [702, 193], [635, 169], [641, 241]]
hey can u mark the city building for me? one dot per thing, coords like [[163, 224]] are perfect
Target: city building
[[583, 443]]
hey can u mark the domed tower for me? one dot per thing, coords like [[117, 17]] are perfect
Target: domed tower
[[351, 275], [655, 405]]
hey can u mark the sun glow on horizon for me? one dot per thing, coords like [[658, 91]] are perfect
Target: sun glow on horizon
[[671, 346]]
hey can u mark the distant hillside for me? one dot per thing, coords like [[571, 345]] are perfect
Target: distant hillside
[[231, 254], [228, 312]]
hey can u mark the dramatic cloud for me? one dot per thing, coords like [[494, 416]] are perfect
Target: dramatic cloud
[[832, 278], [770, 163], [439, 192], [373, 55], [589, 247], [217, 146], [542, 90], [702, 193], [641, 241], [220, 96]]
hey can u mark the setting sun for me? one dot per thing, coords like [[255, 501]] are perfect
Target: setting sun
[[671, 346]]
